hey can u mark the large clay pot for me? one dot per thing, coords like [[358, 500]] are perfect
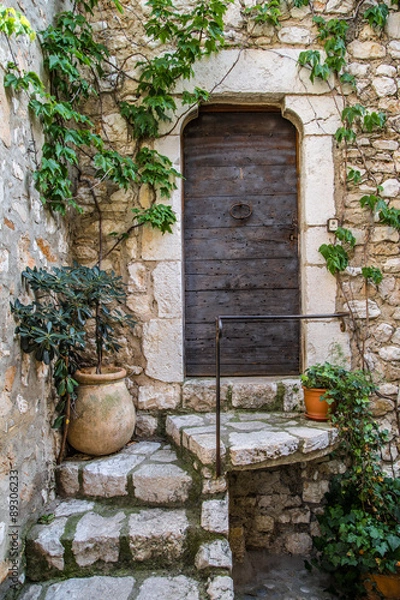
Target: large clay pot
[[316, 409], [104, 416], [383, 585]]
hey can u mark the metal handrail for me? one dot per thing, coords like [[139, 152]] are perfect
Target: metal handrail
[[218, 336]]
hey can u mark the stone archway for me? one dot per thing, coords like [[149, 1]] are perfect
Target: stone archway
[[256, 77]]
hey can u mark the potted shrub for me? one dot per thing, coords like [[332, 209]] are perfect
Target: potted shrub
[[318, 380], [359, 541], [73, 305]]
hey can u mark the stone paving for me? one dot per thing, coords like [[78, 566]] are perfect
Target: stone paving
[[253, 439], [146, 471], [264, 577], [155, 587]]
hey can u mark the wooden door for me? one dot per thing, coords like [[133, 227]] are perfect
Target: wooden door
[[241, 248]]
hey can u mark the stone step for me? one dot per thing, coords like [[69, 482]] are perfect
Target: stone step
[[85, 537], [143, 473], [141, 586], [252, 440], [256, 393]]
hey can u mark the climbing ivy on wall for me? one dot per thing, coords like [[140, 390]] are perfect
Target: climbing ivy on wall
[[78, 66]]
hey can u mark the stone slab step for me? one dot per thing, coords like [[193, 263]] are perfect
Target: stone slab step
[[256, 393], [146, 472], [252, 440], [145, 587], [85, 538]]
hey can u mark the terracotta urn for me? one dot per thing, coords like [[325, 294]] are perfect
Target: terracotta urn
[[104, 417]]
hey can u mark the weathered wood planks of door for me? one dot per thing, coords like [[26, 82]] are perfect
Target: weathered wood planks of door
[[241, 242]]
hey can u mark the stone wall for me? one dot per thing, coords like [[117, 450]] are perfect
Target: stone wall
[[263, 72], [275, 509], [29, 236]]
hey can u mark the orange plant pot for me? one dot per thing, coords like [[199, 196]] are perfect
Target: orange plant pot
[[316, 409], [383, 585]]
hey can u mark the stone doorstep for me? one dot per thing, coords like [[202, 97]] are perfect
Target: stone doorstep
[[253, 440], [256, 393], [150, 587], [146, 471], [81, 538]]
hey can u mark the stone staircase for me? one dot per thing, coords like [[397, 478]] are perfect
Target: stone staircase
[[152, 521], [130, 526]]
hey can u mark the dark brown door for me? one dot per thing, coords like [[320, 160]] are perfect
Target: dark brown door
[[241, 248]]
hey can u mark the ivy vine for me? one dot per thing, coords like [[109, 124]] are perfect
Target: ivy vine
[[78, 64]]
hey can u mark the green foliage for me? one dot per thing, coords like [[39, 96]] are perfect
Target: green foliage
[[75, 61], [157, 171], [158, 216], [55, 326], [266, 12], [377, 15], [312, 59], [372, 274], [389, 216], [26, 81], [333, 35], [354, 176], [373, 202], [193, 34], [322, 376], [68, 46], [337, 259], [346, 236], [336, 255], [13, 22], [142, 119], [198, 96], [357, 116], [360, 525]]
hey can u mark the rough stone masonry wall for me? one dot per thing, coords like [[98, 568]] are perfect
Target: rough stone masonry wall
[[29, 236], [152, 264], [275, 509]]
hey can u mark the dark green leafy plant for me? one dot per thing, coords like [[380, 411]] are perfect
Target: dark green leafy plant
[[322, 376], [55, 326], [360, 525]]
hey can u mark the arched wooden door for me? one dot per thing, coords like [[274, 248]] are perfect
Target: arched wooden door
[[241, 248]]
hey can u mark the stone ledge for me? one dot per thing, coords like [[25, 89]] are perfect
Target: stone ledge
[[253, 440], [256, 393], [144, 470]]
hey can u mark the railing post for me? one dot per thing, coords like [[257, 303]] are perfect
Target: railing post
[[218, 334]]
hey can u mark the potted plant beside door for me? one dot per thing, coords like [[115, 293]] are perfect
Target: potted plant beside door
[[318, 382], [75, 308]]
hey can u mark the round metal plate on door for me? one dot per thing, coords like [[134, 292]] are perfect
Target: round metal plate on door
[[241, 210]]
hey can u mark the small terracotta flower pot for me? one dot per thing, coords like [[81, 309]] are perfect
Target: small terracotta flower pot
[[316, 409]]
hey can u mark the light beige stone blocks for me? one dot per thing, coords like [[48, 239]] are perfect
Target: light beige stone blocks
[[163, 348], [319, 291], [317, 179], [158, 396], [167, 281]]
